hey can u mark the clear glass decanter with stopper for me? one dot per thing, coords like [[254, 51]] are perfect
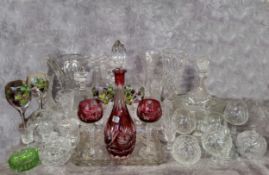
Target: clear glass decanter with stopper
[[120, 130]]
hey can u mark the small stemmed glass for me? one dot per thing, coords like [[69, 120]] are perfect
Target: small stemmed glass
[[39, 84], [149, 111], [18, 95]]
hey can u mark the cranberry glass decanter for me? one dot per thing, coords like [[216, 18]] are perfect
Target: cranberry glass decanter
[[120, 130]]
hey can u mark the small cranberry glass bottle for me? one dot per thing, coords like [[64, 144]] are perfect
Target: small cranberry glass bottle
[[120, 131]]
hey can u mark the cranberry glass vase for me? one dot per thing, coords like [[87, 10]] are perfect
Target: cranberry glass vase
[[120, 131]]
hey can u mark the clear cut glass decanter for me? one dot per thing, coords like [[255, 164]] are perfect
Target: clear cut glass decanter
[[120, 130]]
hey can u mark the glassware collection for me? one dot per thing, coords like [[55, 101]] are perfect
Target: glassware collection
[[83, 118]]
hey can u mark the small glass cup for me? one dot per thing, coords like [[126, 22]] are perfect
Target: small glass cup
[[186, 150], [236, 112], [217, 141], [185, 121], [251, 145]]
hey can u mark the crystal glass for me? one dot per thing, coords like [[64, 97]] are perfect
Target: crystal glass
[[120, 130], [185, 121], [83, 79], [18, 95], [106, 63], [168, 124], [39, 84], [198, 98], [37, 117], [215, 104], [56, 151], [186, 150], [69, 128], [65, 100], [217, 141], [251, 145], [213, 120], [119, 54], [178, 72], [153, 74], [236, 112], [62, 69]]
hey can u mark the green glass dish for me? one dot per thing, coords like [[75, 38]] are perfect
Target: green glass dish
[[24, 159]]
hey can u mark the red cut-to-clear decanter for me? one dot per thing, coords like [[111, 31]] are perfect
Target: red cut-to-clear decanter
[[120, 131]]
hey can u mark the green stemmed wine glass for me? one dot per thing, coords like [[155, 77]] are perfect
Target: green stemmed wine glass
[[39, 84]]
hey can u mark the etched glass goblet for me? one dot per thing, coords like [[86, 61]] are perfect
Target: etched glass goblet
[[90, 111], [148, 110]]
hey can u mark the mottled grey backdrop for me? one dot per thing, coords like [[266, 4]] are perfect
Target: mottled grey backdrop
[[233, 34]]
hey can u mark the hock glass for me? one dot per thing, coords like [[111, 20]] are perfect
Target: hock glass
[[251, 145], [90, 111], [186, 150], [39, 85], [18, 95], [236, 112], [148, 110]]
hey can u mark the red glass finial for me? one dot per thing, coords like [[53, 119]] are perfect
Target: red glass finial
[[119, 76]]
